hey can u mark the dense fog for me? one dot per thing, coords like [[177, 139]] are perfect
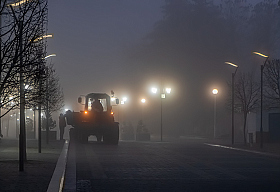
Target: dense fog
[[130, 46]]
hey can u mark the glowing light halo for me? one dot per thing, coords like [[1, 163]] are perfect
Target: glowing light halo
[[215, 91]]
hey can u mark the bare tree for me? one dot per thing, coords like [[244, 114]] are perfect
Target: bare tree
[[247, 95], [53, 93], [21, 51], [33, 16], [272, 83]]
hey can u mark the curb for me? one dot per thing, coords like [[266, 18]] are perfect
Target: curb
[[57, 180], [70, 170]]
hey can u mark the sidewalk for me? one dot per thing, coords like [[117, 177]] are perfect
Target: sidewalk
[[38, 169]]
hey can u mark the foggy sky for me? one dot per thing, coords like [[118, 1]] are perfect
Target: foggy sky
[[89, 39], [95, 43]]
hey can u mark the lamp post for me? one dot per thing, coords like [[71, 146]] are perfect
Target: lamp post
[[124, 99], [22, 135], [1, 67], [143, 101], [47, 95], [162, 96], [232, 100], [215, 92], [40, 107], [262, 67]]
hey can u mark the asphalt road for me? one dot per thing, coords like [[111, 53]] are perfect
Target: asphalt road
[[169, 166]]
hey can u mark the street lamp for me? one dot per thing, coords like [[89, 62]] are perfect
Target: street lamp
[[168, 90], [262, 67], [22, 134], [143, 101], [123, 101], [232, 100], [39, 106], [215, 92], [43, 37], [154, 90], [162, 96], [51, 55], [16, 4]]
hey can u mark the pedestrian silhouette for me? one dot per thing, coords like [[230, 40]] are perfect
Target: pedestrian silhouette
[[97, 106], [62, 125]]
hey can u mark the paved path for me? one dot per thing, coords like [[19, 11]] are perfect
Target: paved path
[[188, 166], [38, 169]]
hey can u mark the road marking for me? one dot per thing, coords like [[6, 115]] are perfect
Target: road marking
[[245, 150]]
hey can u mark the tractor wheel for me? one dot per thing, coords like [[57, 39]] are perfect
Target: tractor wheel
[[99, 138], [72, 134], [115, 134], [111, 135], [84, 138], [106, 138], [79, 137]]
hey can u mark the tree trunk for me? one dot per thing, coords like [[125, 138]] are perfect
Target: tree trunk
[[244, 128]]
